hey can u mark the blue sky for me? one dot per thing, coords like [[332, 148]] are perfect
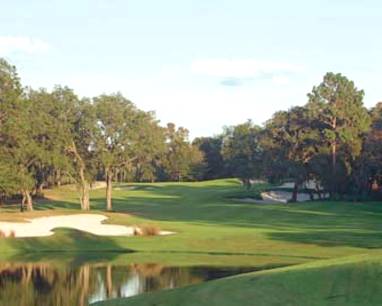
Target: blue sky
[[199, 64]]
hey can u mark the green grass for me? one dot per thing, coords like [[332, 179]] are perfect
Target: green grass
[[212, 227], [351, 281]]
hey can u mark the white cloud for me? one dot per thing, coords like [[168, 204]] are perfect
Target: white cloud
[[14, 44], [243, 68]]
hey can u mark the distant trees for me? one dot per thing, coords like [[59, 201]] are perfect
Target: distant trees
[[211, 148], [242, 152], [180, 157], [328, 141]]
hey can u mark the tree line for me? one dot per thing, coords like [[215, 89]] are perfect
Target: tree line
[[50, 138], [332, 141]]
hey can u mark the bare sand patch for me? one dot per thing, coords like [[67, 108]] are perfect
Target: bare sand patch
[[90, 223]]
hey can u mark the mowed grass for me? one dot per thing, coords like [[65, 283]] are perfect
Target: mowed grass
[[350, 281], [214, 228]]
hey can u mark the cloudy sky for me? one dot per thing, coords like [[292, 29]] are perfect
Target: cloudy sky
[[201, 64]]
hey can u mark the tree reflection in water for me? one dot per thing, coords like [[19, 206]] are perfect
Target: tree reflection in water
[[40, 284]]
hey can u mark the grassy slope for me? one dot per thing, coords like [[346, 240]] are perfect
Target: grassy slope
[[351, 281], [208, 221]]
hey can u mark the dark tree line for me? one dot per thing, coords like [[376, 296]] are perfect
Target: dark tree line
[[333, 141]]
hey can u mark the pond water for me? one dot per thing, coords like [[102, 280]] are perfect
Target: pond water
[[47, 284]]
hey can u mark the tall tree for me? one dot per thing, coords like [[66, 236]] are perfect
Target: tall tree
[[337, 106], [76, 126], [289, 141], [125, 135], [17, 136]]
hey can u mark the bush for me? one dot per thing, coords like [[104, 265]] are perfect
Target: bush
[[146, 230]]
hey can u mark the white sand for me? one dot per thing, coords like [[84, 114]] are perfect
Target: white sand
[[277, 196], [44, 226]]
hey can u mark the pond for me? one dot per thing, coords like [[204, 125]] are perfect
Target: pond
[[59, 284]]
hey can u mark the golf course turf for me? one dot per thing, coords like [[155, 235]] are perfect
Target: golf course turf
[[314, 253]]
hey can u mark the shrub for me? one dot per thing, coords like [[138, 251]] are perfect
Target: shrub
[[146, 230]]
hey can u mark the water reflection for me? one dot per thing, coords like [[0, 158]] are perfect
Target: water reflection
[[47, 285]]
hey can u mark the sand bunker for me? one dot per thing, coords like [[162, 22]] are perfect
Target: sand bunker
[[277, 196], [44, 226]]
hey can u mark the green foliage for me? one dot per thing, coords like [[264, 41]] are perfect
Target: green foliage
[[242, 152], [336, 107], [17, 135], [211, 147], [125, 137], [367, 177], [180, 157], [47, 136], [289, 141]]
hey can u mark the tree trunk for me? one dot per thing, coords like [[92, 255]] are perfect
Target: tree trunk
[[333, 188], [58, 178], [248, 183], [85, 187], [39, 189], [27, 199], [334, 157], [295, 193], [84, 184], [311, 194], [318, 191], [109, 177], [22, 204], [85, 198]]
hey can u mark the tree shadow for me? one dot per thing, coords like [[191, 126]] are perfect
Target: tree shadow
[[80, 245], [332, 238], [324, 223]]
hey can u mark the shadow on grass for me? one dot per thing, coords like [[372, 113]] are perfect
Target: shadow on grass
[[332, 238], [323, 223], [69, 242]]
